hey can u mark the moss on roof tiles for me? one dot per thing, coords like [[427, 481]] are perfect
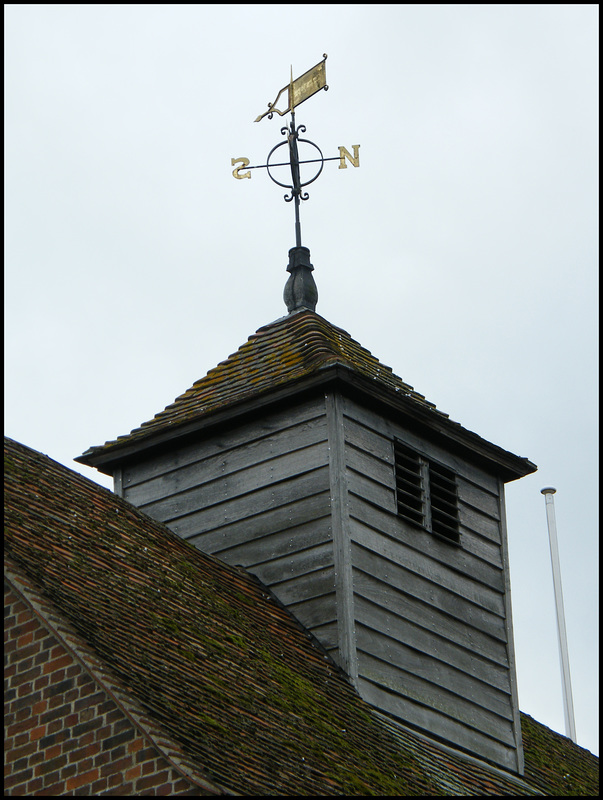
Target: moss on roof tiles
[[221, 667], [555, 764], [283, 352]]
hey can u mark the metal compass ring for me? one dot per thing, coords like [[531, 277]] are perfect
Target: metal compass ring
[[289, 185]]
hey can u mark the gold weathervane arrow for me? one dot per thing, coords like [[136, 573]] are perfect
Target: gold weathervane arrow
[[297, 90], [300, 89]]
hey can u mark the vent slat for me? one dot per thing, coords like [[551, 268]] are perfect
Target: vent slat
[[426, 493]]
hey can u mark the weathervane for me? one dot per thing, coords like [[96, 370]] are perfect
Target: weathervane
[[300, 289]]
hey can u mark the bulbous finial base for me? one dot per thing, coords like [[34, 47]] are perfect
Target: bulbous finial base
[[300, 289]]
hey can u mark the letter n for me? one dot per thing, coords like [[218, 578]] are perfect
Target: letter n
[[354, 160]]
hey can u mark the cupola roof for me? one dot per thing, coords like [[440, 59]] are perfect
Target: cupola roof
[[293, 355]]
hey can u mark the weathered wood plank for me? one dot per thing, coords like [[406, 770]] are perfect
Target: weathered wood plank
[[480, 547], [294, 565], [310, 413], [471, 543], [209, 531], [315, 612], [478, 497], [446, 703], [374, 481], [366, 438], [194, 491], [266, 545], [478, 507], [479, 523], [341, 535], [431, 721], [428, 595], [310, 586], [366, 464], [509, 620], [300, 443], [327, 635], [462, 568], [408, 660], [375, 493], [222, 508], [493, 672], [392, 611]]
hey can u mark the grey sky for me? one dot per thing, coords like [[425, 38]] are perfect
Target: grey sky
[[462, 252]]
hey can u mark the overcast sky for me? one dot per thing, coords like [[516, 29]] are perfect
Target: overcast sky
[[462, 252]]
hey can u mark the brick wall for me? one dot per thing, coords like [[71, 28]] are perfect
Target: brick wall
[[64, 735]]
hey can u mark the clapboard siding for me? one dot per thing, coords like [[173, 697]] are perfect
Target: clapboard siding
[[265, 454], [304, 424], [327, 633], [431, 670], [274, 571], [430, 630], [478, 498], [310, 597], [201, 510], [448, 703], [382, 622], [481, 548], [257, 496], [481, 532], [384, 497], [431, 624], [427, 593], [249, 530], [460, 567], [431, 721], [479, 523], [243, 482], [369, 465], [233, 543], [319, 614], [372, 477]]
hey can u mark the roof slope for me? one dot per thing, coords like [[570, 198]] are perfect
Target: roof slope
[[222, 669], [286, 353], [280, 353]]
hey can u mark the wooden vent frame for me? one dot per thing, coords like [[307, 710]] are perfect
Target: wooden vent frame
[[426, 493]]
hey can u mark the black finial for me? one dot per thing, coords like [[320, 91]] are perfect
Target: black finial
[[300, 289]]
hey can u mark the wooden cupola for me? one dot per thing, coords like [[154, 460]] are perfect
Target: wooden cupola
[[374, 518]]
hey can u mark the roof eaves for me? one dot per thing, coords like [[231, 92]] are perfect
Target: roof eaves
[[396, 397], [435, 422], [105, 457]]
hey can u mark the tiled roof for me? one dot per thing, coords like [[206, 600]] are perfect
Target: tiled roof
[[282, 354], [222, 670], [555, 765]]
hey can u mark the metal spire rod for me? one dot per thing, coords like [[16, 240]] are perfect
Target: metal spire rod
[[568, 703], [296, 191], [300, 289]]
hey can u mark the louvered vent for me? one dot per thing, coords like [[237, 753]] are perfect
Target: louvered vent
[[409, 485], [444, 502], [426, 493]]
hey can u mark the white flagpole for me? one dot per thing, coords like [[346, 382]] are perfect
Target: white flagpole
[[568, 703]]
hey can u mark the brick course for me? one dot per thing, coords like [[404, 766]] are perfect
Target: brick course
[[64, 735]]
